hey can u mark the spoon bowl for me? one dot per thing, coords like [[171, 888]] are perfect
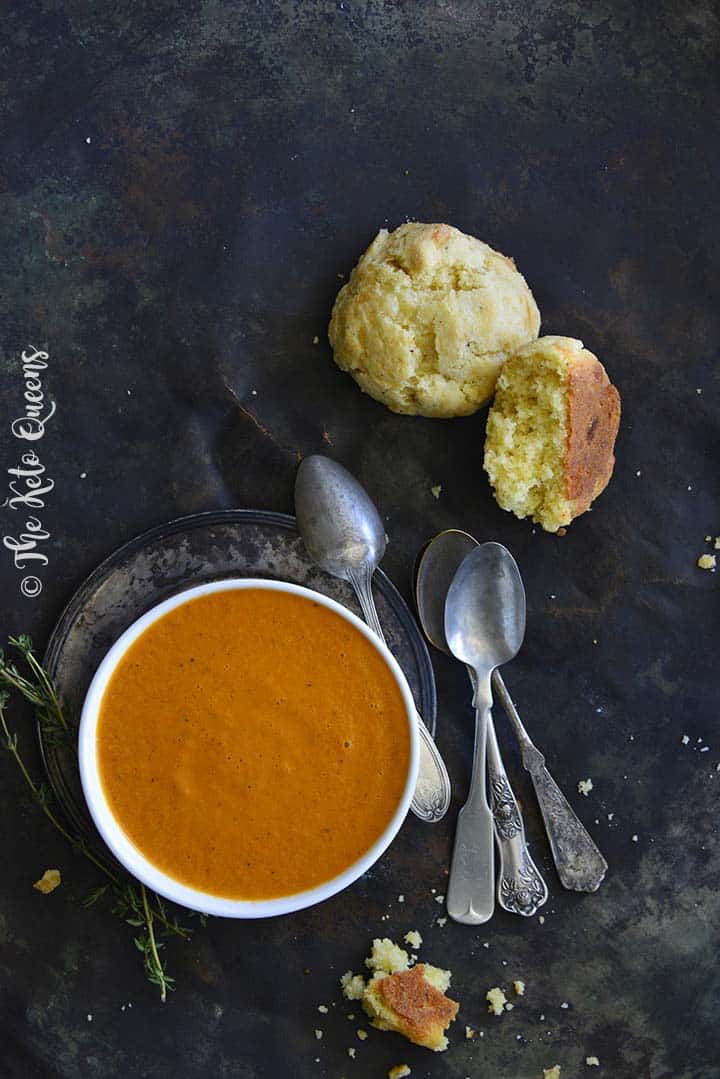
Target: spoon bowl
[[485, 608], [338, 521]]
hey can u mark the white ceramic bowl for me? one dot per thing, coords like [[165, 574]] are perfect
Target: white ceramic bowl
[[127, 853]]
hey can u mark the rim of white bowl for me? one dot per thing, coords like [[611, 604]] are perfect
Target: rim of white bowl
[[125, 850]]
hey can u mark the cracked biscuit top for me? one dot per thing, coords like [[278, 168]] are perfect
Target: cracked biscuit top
[[428, 318]]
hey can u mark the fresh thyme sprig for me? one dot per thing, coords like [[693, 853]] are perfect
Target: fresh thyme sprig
[[138, 908]]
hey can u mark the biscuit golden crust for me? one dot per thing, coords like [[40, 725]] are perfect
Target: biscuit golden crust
[[551, 432], [418, 1009], [427, 319], [593, 422]]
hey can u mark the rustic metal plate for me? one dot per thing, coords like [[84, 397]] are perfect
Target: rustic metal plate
[[167, 559]]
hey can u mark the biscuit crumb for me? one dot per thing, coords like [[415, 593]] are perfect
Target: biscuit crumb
[[318, 1034], [48, 882], [316, 340], [716, 544], [399, 1071], [509, 1007], [585, 786], [405, 998], [707, 561], [323, 1008], [436, 491], [592, 1062], [496, 1001], [519, 987], [351, 1053], [684, 739], [362, 1034], [387, 956], [353, 986], [413, 938], [552, 1073], [470, 1033], [564, 1004], [541, 919], [441, 922], [439, 898]]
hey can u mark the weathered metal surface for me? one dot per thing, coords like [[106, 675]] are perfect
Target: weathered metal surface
[[182, 185]]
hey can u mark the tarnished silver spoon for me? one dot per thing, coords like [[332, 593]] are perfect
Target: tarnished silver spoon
[[484, 627], [580, 865], [520, 887], [344, 534]]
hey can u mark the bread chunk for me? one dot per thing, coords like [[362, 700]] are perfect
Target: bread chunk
[[408, 1000], [428, 318], [551, 432]]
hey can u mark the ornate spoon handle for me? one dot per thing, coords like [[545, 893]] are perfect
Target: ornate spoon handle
[[432, 791], [580, 865], [521, 889]]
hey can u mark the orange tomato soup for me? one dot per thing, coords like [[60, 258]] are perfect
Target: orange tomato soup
[[252, 744]]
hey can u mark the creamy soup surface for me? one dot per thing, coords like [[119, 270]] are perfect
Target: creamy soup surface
[[252, 744]]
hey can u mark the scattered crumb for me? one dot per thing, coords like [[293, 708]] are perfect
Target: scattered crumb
[[89, 1018], [413, 938], [351, 1053], [541, 919], [684, 739], [351, 1016], [561, 532], [441, 922], [638, 473], [439, 898], [486, 944], [708, 539], [509, 1007], [716, 544], [88, 140], [436, 491], [634, 839], [698, 389], [48, 882], [318, 1034], [470, 1033], [542, 1018], [362, 1034], [399, 1071], [707, 561], [552, 1073], [323, 1008], [387, 956], [316, 340], [705, 749], [496, 1001], [564, 1004], [254, 393], [353, 986], [401, 899], [585, 786], [519, 987], [83, 475], [592, 1062]]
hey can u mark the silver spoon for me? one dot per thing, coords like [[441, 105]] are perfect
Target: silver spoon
[[345, 536], [580, 865], [521, 889], [484, 624]]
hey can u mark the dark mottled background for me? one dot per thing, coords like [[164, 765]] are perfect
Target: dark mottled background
[[183, 184]]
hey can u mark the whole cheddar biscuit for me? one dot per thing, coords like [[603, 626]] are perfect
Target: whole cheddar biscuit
[[551, 432], [428, 318]]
